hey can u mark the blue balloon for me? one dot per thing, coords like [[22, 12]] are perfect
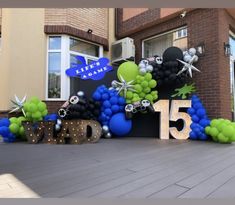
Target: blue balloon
[[5, 122], [115, 108], [201, 112], [108, 112], [191, 111], [114, 100], [121, 108], [203, 122], [199, 119], [197, 106], [105, 96], [51, 117], [121, 101], [192, 135], [96, 96], [106, 104], [119, 125], [203, 136], [195, 118], [197, 131], [193, 125]]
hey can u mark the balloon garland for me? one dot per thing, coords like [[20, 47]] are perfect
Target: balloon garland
[[5, 132], [221, 130], [165, 70], [17, 128], [136, 83], [199, 120], [78, 106], [111, 103], [142, 83], [35, 109]]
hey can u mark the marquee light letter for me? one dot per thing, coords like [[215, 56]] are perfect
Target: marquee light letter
[[162, 106], [176, 115]]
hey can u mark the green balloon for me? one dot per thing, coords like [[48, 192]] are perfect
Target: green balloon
[[128, 70], [152, 83], [232, 138], [222, 138], [21, 131], [37, 115], [228, 131], [207, 130], [144, 84], [32, 108], [142, 95], [34, 100], [214, 123], [13, 120], [129, 95], [26, 106], [221, 126], [41, 106], [20, 120], [214, 132], [148, 76], [28, 114], [14, 128], [44, 113], [149, 97], [138, 88], [147, 90]]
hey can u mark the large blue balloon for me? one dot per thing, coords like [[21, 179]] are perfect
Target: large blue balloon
[[119, 125]]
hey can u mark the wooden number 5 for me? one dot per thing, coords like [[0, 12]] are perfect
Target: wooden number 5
[[176, 115]]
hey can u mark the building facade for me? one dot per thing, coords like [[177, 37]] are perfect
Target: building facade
[[37, 45], [153, 30]]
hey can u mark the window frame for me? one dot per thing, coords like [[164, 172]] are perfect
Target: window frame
[[159, 35], [65, 64]]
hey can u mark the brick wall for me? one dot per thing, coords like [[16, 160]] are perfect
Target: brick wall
[[53, 106], [210, 26], [80, 18], [131, 12]]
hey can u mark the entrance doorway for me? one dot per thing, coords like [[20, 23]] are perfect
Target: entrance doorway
[[232, 72]]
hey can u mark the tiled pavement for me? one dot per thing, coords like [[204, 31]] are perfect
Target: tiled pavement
[[119, 168]]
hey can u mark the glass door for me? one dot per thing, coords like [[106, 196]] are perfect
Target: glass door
[[232, 72]]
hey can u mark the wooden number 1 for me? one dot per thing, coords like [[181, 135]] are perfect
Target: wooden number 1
[[162, 106]]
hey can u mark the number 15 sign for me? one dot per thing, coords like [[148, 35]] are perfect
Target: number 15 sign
[[162, 106]]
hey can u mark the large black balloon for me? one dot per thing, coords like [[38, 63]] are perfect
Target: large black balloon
[[172, 54], [166, 73]]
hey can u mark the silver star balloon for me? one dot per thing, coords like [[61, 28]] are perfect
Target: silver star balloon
[[18, 105], [188, 67], [123, 86]]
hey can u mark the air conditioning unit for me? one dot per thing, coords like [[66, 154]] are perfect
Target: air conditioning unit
[[123, 50]]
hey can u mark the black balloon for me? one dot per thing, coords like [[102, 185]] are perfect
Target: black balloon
[[86, 109], [166, 73], [172, 54]]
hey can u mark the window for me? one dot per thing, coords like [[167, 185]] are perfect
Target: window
[[62, 52], [182, 33], [54, 67], [158, 44]]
